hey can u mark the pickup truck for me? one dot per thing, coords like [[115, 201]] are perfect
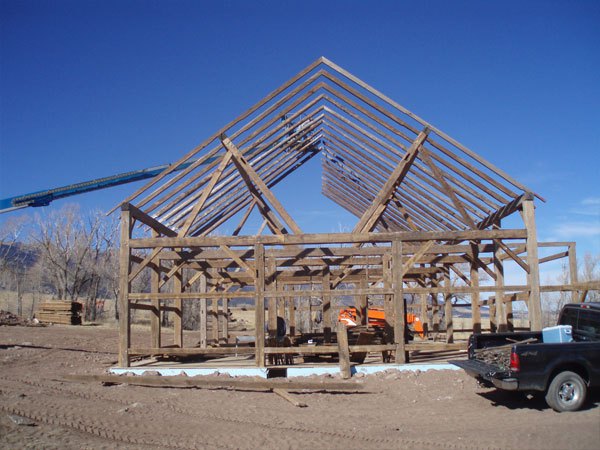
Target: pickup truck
[[563, 371]]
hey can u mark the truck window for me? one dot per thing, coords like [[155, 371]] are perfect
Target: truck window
[[588, 325], [569, 317]]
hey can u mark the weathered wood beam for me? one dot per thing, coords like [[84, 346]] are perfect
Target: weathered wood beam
[[251, 177], [372, 215]]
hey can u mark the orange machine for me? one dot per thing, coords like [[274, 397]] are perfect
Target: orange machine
[[376, 318]]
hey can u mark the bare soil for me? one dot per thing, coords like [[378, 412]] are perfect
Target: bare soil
[[429, 410]]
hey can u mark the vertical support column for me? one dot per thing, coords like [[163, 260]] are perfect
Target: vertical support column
[[326, 285], [475, 295], [224, 319], [448, 306], [399, 306], [573, 275], [362, 301], [435, 307], [259, 304], [272, 301], [124, 287], [535, 303], [155, 313], [424, 315], [388, 299], [501, 313], [292, 312], [214, 319], [178, 304], [203, 311]]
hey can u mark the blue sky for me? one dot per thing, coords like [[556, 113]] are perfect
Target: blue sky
[[94, 88]]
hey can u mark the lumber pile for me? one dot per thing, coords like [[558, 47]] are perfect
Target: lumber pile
[[499, 356], [64, 313]]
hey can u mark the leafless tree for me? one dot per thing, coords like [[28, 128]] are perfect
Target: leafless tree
[[14, 257]]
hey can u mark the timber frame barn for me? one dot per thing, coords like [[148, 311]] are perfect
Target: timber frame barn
[[429, 224]]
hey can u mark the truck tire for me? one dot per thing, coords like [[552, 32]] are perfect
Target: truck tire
[[566, 392]]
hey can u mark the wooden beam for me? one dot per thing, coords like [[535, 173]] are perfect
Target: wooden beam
[[343, 352], [246, 169], [533, 278], [259, 304], [124, 289], [373, 213], [399, 306], [214, 179], [148, 220], [328, 238]]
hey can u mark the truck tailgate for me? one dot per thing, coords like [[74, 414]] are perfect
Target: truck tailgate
[[477, 368]]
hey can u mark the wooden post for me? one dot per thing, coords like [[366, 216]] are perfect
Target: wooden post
[[475, 297], [448, 306], [326, 284], [388, 299], [292, 313], [259, 304], [573, 275], [362, 302], [178, 316], [272, 301], [399, 306], [424, 314], [203, 311], [343, 351], [535, 304], [224, 319], [124, 287], [435, 314], [501, 312], [155, 330], [214, 320]]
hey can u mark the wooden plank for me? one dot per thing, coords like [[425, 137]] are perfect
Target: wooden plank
[[212, 383], [343, 352], [286, 396]]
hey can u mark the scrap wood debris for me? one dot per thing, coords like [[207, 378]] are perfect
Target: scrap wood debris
[[7, 318], [500, 355]]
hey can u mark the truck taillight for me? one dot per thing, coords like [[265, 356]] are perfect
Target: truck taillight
[[515, 364]]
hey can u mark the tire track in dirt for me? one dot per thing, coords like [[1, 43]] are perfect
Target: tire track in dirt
[[259, 426]]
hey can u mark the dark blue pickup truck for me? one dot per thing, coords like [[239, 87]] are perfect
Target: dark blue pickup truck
[[564, 371]]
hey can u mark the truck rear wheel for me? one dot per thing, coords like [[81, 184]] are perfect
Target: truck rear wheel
[[566, 392]]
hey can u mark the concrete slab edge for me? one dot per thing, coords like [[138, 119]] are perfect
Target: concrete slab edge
[[291, 371]]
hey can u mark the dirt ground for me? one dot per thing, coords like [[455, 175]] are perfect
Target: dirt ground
[[429, 410]]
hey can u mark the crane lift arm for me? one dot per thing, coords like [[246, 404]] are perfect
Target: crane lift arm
[[43, 198]]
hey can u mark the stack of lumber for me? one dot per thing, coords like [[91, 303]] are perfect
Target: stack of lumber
[[64, 313]]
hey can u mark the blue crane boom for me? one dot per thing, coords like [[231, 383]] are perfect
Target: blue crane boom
[[43, 198]]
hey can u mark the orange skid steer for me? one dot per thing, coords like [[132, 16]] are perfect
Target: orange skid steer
[[376, 318]]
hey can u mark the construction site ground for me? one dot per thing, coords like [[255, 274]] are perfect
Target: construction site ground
[[426, 410]]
